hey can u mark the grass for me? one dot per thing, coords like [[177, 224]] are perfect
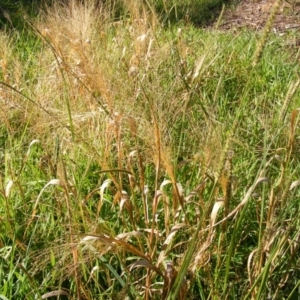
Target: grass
[[147, 161]]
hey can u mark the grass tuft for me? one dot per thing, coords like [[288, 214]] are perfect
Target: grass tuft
[[145, 161]]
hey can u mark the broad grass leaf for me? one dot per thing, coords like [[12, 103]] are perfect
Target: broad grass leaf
[[125, 236], [217, 206], [8, 188], [164, 183], [295, 184], [51, 182], [103, 187], [56, 293], [174, 230], [30, 145], [142, 263]]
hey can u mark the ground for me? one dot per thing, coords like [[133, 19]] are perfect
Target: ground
[[254, 14]]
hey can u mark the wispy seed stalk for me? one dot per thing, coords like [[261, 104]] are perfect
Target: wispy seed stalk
[[262, 42], [289, 96]]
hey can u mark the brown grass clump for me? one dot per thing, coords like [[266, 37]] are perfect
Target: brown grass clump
[[96, 89], [12, 111], [93, 76]]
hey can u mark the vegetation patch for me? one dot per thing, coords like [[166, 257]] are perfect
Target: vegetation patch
[[145, 159]]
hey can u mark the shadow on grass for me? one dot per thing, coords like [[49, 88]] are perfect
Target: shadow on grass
[[197, 12], [12, 12]]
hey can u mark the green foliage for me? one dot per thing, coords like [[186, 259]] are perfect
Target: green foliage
[[147, 162]]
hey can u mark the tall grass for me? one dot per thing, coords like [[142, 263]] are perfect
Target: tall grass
[[145, 162]]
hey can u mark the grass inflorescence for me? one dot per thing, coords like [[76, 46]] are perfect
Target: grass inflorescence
[[142, 159]]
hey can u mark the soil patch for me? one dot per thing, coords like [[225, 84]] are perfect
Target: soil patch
[[254, 14]]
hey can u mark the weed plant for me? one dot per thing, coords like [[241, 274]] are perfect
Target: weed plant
[[142, 161]]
